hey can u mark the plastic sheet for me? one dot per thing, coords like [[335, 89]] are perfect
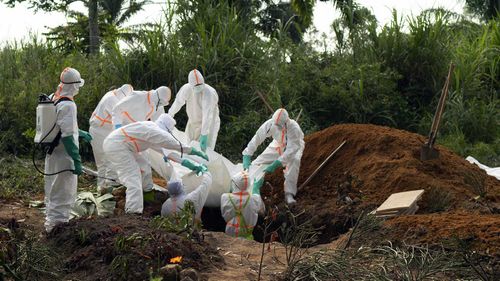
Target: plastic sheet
[[495, 172], [220, 167]]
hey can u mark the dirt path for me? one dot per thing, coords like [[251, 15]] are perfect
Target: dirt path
[[32, 218], [241, 257]]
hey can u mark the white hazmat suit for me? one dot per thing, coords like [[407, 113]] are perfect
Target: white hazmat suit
[[141, 106], [202, 109], [240, 209], [285, 150], [123, 148], [60, 189], [100, 127], [178, 197]]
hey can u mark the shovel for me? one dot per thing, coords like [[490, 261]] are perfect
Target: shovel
[[427, 151]]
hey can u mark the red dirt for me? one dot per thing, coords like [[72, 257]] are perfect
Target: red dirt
[[376, 162], [482, 231]]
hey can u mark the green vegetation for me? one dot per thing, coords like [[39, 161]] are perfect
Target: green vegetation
[[18, 179], [389, 76], [23, 257], [181, 223]]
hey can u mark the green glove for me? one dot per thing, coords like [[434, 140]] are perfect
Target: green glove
[[246, 162], [72, 150], [196, 152], [84, 135], [203, 142], [275, 165], [199, 169], [257, 185]]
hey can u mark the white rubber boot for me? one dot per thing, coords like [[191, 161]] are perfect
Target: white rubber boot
[[289, 199]]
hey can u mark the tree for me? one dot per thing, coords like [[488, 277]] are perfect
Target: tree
[[62, 5], [485, 9], [112, 15], [113, 7], [268, 16], [283, 16]]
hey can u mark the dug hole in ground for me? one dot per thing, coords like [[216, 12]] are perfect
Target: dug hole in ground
[[460, 203]]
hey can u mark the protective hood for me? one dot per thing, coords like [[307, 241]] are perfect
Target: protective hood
[[280, 117], [175, 188], [166, 122], [71, 81], [195, 78], [240, 181], [124, 91], [163, 94]]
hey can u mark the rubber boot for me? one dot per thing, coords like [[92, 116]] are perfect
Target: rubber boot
[[289, 199]]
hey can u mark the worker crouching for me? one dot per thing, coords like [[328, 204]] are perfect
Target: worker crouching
[[239, 208], [124, 148]]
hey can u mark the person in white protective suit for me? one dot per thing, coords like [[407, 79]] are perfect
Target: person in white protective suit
[[178, 196], [64, 160], [202, 109], [123, 148], [285, 151], [100, 127], [141, 106], [240, 209]]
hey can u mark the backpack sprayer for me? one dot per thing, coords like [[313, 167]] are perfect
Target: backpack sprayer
[[46, 130], [47, 133]]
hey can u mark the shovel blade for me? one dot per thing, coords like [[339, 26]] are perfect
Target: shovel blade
[[428, 153]]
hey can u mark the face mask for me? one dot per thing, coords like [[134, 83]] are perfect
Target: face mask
[[198, 89], [77, 89]]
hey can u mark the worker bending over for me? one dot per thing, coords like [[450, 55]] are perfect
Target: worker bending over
[[141, 106], [240, 208], [202, 109], [123, 148], [285, 151], [100, 127]]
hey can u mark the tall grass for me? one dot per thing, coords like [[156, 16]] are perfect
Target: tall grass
[[395, 78]]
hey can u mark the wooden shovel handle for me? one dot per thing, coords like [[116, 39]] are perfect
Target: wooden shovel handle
[[440, 108], [322, 164]]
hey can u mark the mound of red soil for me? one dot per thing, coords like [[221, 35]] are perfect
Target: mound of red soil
[[482, 231], [374, 163], [125, 248]]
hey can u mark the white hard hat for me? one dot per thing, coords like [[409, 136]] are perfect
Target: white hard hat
[[71, 76], [280, 117], [240, 181], [195, 78], [164, 95]]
